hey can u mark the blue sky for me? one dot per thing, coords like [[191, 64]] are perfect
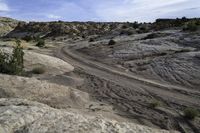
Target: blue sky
[[98, 10]]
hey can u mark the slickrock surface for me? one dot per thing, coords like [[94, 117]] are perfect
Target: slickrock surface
[[22, 116], [51, 64], [32, 89]]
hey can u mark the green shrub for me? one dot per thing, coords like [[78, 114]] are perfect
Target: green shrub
[[190, 113], [41, 43], [154, 104], [190, 26], [150, 36], [12, 64], [91, 40], [143, 29], [36, 38], [38, 70], [135, 25], [111, 42], [126, 32], [124, 26], [27, 38], [183, 50]]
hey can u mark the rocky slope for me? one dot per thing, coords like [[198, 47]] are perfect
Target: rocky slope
[[7, 25], [53, 29], [22, 116], [169, 56], [36, 90], [51, 65], [106, 101]]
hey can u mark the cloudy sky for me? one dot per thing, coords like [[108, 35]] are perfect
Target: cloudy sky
[[98, 10]]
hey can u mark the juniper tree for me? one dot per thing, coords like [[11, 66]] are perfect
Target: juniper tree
[[12, 64]]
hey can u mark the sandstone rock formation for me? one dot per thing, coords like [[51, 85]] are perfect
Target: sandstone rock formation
[[32, 89], [22, 116], [51, 64], [7, 25]]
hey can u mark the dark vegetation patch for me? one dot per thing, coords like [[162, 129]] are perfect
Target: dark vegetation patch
[[126, 32], [155, 35], [154, 104], [41, 43], [12, 64], [191, 113], [38, 70], [191, 26], [183, 50], [111, 42], [91, 40], [161, 24]]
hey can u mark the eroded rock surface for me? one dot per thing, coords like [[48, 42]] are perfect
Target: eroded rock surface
[[51, 64], [22, 116], [32, 89]]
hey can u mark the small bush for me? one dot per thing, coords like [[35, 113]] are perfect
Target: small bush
[[126, 32], [91, 40], [154, 104], [191, 26], [150, 36], [183, 50], [111, 42], [190, 113], [83, 36], [143, 29], [41, 43], [38, 70], [124, 26], [28, 38], [36, 38], [135, 25], [30, 48], [12, 64]]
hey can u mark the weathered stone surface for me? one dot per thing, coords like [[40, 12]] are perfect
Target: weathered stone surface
[[32, 89], [22, 116], [51, 64]]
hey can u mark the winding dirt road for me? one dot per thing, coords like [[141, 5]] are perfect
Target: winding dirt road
[[134, 94]]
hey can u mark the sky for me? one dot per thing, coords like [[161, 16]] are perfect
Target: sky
[[99, 10]]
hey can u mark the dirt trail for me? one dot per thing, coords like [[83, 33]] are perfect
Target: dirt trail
[[123, 89]]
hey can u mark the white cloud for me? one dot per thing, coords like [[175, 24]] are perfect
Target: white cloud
[[52, 16], [3, 6], [102, 10], [142, 10]]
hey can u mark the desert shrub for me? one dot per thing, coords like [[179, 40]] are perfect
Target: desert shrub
[[30, 48], [190, 113], [135, 25], [27, 38], [183, 50], [126, 32], [154, 104], [12, 64], [143, 29], [190, 26], [111, 42], [38, 70], [41, 43], [124, 26], [150, 36], [155, 35], [36, 38], [83, 36], [91, 40]]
